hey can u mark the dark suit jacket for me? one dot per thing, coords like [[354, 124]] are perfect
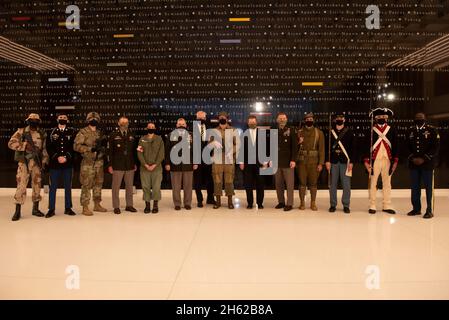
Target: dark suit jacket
[[287, 146]]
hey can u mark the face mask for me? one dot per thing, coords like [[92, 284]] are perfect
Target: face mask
[[33, 124], [252, 126], [339, 122], [381, 121], [309, 123], [203, 121], [181, 128], [223, 121], [151, 131], [93, 123], [419, 122], [62, 122]]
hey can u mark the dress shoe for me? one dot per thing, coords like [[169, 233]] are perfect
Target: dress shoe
[[250, 206], [313, 206], [210, 201], [188, 207], [117, 211], [414, 213], [372, 211], [280, 206], [332, 209], [428, 215], [69, 212], [389, 211], [260, 206], [50, 213], [200, 204], [288, 208], [130, 209], [346, 210], [177, 208]]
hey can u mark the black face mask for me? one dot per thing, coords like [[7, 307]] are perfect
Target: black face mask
[[33, 124], [309, 123], [151, 131], [223, 121], [181, 128], [203, 121], [62, 122], [93, 123], [419, 122], [339, 122], [381, 121]]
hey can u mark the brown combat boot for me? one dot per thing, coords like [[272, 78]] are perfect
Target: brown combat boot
[[86, 211], [217, 202], [313, 192], [98, 207], [302, 196]]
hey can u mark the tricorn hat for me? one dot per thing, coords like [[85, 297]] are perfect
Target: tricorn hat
[[381, 112]]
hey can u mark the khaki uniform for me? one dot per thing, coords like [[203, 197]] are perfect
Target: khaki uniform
[[222, 167], [311, 153], [26, 165], [91, 170]]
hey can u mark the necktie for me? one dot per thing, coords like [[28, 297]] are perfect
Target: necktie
[[202, 132]]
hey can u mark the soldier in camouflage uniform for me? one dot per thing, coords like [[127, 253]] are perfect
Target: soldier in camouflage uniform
[[31, 155], [91, 142]]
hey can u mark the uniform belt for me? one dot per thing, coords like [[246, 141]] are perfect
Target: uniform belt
[[311, 153]]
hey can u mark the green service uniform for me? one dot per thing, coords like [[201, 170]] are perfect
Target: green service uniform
[[151, 151], [92, 165], [311, 153]]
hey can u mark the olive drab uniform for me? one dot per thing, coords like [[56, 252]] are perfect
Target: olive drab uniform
[[311, 153], [91, 170], [28, 165]]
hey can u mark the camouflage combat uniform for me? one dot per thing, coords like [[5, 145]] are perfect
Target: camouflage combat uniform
[[92, 165], [27, 166]]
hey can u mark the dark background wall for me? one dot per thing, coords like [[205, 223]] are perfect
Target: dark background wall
[[159, 60]]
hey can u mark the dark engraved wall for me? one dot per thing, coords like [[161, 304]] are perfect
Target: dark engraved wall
[[159, 60]]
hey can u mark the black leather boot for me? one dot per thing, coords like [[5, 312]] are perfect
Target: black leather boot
[[50, 213], [36, 212], [217, 202], [147, 207], [230, 204], [155, 207], [16, 215]]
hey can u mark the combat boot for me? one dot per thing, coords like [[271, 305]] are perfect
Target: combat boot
[[36, 212], [230, 204], [313, 192], [217, 202], [98, 207], [302, 196], [16, 215], [147, 207], [86, 211], [155, 207]]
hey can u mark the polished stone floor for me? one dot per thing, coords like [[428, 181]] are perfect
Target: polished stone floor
[[224, 254]]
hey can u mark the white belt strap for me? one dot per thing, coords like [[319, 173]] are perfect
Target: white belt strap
[[382, 137]]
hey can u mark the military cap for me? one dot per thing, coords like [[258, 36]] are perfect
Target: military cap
[[92, 115]]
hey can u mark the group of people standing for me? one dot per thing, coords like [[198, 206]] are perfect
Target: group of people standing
[[304, 150]]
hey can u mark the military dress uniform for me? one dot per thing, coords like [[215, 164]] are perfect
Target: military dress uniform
[[181, 174], [60, 144], [122, 158], [285, 176], [31, 155], [91, 146], [311, 153], [384, 155], [423, 144], [342, 152]]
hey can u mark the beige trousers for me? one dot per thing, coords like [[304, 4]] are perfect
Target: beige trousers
[[381, 167]]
